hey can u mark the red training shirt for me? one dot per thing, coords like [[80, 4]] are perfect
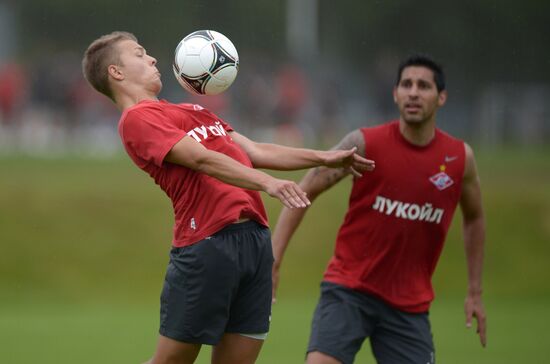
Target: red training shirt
[[398, 217], [202, 204]]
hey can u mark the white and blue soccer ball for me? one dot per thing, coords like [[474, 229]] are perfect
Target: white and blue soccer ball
[[206, 62]]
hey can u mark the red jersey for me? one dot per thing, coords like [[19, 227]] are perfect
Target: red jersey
[[202, 204], [398, 217]]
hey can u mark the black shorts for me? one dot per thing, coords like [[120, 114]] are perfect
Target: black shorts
[[221, 284], [344, 318]]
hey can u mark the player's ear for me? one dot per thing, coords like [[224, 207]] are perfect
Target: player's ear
[[394, 94], [114, 72], [442, 98]]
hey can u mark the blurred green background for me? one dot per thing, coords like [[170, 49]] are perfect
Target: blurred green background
[[84, 235], [85, 242]]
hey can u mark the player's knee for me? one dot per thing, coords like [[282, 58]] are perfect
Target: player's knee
[[172, 359], [316, 357]]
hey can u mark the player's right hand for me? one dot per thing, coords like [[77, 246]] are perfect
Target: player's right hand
[[473, 308], [349, 160], [288, 192]]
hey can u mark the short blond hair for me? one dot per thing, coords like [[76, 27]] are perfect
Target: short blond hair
[[102, 53]]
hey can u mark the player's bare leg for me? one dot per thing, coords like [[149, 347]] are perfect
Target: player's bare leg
[[236, 349], [316, 357], [170, 351]]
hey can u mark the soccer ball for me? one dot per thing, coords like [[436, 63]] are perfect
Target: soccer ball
[[205, 62]]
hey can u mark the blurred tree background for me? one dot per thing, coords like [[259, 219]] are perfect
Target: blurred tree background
[[339, 57]]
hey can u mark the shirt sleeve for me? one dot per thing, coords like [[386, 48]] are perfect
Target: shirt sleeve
[[150, 135]]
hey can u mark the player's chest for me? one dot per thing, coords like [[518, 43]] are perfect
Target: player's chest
[[433, 175]]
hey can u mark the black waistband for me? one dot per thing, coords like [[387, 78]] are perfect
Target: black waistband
[[246, 225]]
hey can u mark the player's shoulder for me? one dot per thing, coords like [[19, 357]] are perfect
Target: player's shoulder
[[355, 138], [468, 152], [147, 112], [351, 139], [138, 112]]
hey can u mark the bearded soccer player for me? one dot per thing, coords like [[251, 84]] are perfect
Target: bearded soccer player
[[217, 289], [378, 282]]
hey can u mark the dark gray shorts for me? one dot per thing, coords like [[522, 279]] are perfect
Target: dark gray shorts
[[220, 284], [344, 318]]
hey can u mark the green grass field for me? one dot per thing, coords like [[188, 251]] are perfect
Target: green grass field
[[58, 332], [84, 244]]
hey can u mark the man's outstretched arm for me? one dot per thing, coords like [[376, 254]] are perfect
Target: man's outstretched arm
[[283, 158], [315, 182]]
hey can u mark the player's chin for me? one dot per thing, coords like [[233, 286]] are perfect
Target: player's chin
[[158, 86], [413, 119]]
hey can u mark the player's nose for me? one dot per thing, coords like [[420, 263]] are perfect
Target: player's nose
[[413, 91]]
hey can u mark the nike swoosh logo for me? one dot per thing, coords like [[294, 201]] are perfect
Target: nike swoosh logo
[[450, 159]]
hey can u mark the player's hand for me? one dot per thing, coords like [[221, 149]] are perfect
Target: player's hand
[[473, 307], [275, 278], [349, 160], [288, 192]]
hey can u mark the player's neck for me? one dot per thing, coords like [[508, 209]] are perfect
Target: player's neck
[[127, 100], [420, 133]]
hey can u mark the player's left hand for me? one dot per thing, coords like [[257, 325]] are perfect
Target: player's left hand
[[349, 160], [473, 307]]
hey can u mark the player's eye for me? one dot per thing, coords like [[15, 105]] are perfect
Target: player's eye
[[424, 85]]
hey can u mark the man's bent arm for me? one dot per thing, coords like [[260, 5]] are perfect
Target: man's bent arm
[[193, 155], [315, 182]]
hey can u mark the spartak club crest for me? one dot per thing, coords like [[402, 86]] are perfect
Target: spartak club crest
[[441, 180]]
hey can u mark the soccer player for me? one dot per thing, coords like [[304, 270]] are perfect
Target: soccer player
[[378, 282], [217, 289]]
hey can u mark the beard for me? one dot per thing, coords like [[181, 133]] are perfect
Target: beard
[[414, 119], [418, 118]]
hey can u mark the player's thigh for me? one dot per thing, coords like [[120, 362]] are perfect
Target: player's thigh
[[170, 351], [236, 349], [341, 322], [403, 338], [250, 310], [198, 290]]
